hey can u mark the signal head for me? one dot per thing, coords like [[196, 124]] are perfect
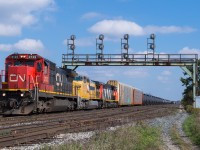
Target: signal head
[[72, 47], [152, 46], [152, 36], [101, 37], [126, 36], [72, 37], [101, 46], [126, 46]]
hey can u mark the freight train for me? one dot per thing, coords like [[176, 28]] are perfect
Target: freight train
[[33, 84]]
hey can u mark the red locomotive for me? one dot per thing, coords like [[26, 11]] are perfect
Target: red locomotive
[[33, 83]]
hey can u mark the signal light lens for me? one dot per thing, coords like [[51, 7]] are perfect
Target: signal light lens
[[72, 47], [152, 46], [126, 46], [72, 37], [101, 37], [101, 46], [152, 36], [126, 36]]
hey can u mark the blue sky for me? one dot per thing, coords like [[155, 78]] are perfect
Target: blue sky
[[42, 26]]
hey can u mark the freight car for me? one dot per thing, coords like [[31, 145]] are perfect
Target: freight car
[[128, 95], [33, 84]]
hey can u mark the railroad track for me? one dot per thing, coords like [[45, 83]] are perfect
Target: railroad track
[[18, 130]]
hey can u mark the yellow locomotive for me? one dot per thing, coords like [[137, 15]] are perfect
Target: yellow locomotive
[[84, 88]]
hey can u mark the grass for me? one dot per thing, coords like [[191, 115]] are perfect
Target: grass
[[191, 126], [140, 137], [177, 140]]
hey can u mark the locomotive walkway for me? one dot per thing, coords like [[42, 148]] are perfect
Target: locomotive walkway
[[25, 129]]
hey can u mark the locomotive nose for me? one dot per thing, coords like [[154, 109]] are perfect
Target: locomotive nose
[[21, 77]]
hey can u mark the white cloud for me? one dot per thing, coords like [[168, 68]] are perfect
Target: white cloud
[[116, 27], [91, 15], [163, 79], [27, 45], [187, 50], [119, 27], [164, 76], [9, 30], [166, 73], [16, 14]]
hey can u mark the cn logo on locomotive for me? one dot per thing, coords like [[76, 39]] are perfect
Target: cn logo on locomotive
[[15, 77]]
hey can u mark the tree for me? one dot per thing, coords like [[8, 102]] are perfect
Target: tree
[[188, 83]]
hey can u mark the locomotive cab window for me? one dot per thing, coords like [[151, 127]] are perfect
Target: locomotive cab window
[[39, 66], [29, 63], [17, 63], [45, 68]]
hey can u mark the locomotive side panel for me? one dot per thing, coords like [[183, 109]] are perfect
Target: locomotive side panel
[[62, 83]]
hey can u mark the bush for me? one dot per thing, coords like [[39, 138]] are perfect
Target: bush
[[191, 127], [189, 108]]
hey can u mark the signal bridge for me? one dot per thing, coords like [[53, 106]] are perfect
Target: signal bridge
[[126, 59], [129, 60]]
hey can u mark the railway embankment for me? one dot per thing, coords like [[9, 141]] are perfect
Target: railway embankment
[[162, 132]]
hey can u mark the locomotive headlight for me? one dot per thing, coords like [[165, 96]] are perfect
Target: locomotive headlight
[[4, 94], [22, 94]]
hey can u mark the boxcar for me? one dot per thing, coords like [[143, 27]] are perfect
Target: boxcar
[[127, 95]]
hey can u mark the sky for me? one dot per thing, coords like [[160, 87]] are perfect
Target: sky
[[43, 27]]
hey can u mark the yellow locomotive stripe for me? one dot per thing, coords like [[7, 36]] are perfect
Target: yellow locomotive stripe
[[60, 93], [14, 89]]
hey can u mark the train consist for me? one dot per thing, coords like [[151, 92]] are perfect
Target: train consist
[[33, 84]]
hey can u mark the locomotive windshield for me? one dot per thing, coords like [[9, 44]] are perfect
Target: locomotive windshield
[[24, 63], [78, 78]]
